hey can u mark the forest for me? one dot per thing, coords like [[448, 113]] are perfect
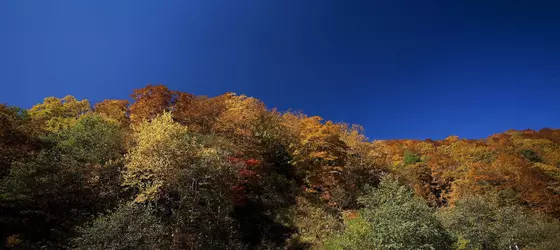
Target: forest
[[171, 170]]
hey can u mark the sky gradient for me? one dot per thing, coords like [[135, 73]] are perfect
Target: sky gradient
[[402, 69]]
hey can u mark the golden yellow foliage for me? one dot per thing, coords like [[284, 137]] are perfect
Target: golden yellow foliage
[[318, 149], [115, 110], [240, 115], [160, 151], [57, 114]]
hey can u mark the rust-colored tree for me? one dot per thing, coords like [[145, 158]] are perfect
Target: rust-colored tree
[[199, 113], [150, 102]]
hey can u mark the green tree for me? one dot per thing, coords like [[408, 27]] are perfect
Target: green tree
[[396, 220], [92, 140], [411, 158], [530, 155], [482, 224], [44, 197], [76, 174], [129, 226]]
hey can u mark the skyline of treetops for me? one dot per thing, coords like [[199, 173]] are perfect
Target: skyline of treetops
[[171, 170], [173, 100]]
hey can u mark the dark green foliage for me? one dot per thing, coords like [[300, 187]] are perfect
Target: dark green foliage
[[481, 224], [393, 218], [200, 208], [266, 197], [44, 197], [530, 155], [92, 140], [411, 158], [17, 136], [75, 176], [129, 226]]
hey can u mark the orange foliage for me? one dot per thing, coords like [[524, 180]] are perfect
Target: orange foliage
[[149, 102], [199, 113], [114, 109]]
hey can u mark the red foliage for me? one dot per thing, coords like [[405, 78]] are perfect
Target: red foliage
[[252, 162]]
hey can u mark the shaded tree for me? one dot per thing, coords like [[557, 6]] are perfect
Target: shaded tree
[[189, 179], [129, 226]]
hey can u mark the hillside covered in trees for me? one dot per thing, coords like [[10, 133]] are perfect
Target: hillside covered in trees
[[171, 170]]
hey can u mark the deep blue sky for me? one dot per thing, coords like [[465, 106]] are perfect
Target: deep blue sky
[[402, 69]]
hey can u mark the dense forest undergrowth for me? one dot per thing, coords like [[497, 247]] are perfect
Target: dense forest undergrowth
[[171, 170]]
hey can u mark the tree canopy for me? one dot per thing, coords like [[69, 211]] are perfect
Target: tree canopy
[[172, 170]]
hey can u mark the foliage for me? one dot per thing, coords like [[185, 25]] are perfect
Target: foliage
[[129, 226], [530, 155], [396, 219], [92, 140], [315, 221], [115, 110], [74, 175], [161, 149], [56, 114], [172, 167], [17, 136], [318, 153], [171, 170], [44, 197], [483, 224], [411, 158], [357, 233], [150, 102]]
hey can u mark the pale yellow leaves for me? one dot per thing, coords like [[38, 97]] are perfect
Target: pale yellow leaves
[[162, 148]]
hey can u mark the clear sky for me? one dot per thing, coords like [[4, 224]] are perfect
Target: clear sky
[[402, 69]]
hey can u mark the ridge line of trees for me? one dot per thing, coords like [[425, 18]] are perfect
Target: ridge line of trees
[[171, 170]]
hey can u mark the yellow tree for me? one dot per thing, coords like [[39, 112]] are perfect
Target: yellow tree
[[160, 152], [318, 151], [361, 152], [239, 116], [238, 121], [169, 162], [56, 114]]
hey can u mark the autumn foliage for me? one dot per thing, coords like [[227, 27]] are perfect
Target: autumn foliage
[[227, 172]]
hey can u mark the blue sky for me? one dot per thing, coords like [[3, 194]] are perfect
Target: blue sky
[[402, 69]]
